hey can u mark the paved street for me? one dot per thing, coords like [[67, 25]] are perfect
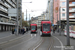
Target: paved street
[[30, 41], [5, 34]]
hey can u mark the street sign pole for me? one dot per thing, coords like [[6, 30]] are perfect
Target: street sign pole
[[21, 13], [29, 19], [68, 38]]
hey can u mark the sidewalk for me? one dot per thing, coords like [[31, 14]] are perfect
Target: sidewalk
[[11, 38], [4, 34], [63, 39]]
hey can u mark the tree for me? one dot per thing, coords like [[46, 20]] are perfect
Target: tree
[[24, 23]]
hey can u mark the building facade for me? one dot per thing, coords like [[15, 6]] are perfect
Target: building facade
[[40, 18], [49, 11], [56, 11], [72, 9], [63, 9], [7, 22], [34, 20]]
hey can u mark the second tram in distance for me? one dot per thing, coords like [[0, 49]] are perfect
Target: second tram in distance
[[33, 28]]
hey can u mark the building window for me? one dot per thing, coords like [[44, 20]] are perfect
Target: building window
[[63, 9], [73, 14], [73, 2], [73, 8], [63, 14], [63, 3]]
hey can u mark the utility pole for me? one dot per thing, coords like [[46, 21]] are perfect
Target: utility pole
[[68, 38], [29, 19], [17, 18], [26, 15], [59, 21], [29, 16], [21, 13]]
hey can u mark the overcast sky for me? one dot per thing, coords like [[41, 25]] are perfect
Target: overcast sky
[[37, 6]]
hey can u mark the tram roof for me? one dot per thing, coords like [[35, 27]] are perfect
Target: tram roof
[[45, 21], [33, 24]]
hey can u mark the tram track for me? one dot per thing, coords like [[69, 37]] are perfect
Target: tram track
[[14, 41], [37, 43], [42, 43], [52, 42]]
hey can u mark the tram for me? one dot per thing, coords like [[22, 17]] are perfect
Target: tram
[[33, 28], [45, 27]]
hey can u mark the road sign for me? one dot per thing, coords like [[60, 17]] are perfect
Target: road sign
[[12, 12]]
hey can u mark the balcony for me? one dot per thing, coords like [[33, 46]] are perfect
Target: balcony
[[10, 3], [4, 16], [13, 2], [72, 5], [72, 11], [3, 4], [62, 0], [13, 19], [71, 0], [7, 23], [71, 16], [3, 10]]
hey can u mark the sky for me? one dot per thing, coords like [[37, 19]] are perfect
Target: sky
[[36, 8]]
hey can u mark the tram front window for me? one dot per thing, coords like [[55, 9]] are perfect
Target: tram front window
[[46, 27], [33, 27]]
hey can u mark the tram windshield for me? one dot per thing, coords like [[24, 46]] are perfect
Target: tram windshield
[[33, 27], [46, 27]]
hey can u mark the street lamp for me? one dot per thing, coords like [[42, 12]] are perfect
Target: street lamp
[[68, 38], [59, 21], [57, 24]]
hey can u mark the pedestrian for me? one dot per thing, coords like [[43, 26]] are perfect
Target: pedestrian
[[23, 30], [19, 31], [13, 30], [53, 30]]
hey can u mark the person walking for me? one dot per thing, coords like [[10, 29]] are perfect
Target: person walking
[[23, 31], [19, 31], [53, 30], [13, 30]]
